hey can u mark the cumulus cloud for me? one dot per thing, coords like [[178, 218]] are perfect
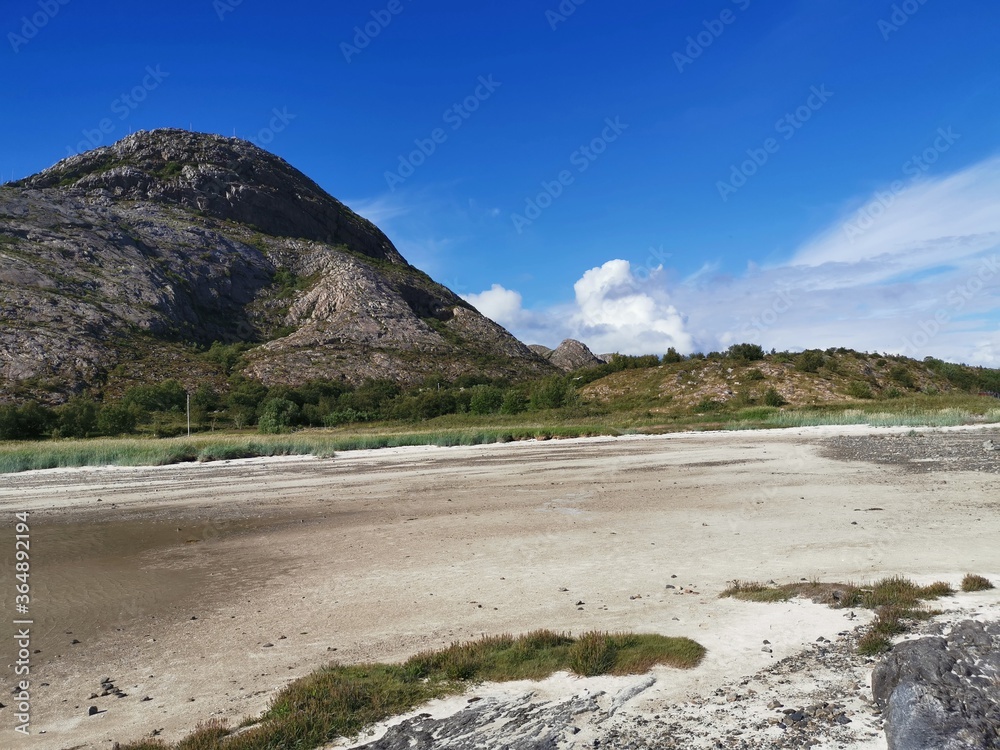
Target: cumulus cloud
[[499, 304], [614, 311], [911, 269]]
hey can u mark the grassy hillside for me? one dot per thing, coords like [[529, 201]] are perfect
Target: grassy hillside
[[726, 383]]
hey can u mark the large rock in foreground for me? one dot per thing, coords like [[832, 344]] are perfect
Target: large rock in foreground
[[943, 693]]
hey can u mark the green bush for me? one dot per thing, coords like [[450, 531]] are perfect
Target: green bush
[[245, 397], [514, 402], [552, 393], [745, 352], [902, 376], [773, 398], [858, 389], [117, 419], [809, 361], [77, 417], [754, 376], [29, 421], [166, 396], [277, 415], [346, 416], [486, 399], [672, 357]]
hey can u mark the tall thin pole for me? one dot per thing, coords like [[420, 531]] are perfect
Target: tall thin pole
[[189, 414]]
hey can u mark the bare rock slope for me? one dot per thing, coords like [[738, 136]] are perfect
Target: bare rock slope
[[570, 355], [168, 240]]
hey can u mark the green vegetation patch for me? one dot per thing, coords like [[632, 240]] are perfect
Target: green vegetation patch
[[341, 700], [894, 599]]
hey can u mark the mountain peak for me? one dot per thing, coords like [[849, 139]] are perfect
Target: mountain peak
[[225, 178]]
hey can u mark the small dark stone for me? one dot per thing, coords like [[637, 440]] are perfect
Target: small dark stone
[[92, 710], [147, 698]]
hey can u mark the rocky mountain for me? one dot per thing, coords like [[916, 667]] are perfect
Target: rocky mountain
[[570, 355], [123, 263]]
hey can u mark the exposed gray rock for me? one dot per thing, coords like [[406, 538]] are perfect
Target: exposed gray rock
[[123, 256], [570, 355], [517, 724], [943, 693]]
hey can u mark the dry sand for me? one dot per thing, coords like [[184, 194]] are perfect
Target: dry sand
[[206, 588]]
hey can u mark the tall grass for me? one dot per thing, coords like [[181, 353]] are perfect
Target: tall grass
[[950, 417], [25, 456], [340, 701]]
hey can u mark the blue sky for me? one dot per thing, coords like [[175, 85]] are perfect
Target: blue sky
[[794, 173]]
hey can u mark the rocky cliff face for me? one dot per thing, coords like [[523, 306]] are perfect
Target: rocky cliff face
[[168, 241], [570, 355]]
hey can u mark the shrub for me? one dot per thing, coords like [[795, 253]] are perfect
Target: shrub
[[514, 402], [551, 393], [672, 357], [754, 376], [277, 415], [117, 419], [972, 582], [745, 352], [29, 421], [809, 361], [371, 396], [166, 396], [346, 416], [229, 357], [858, 389], [78, 417], [245, 396], [773, 398], [901, 376], [486, 399]]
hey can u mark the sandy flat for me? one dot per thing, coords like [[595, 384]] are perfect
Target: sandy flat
[[206, 588]]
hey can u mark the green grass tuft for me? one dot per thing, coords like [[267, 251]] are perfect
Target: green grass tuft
[[973, 582], [752, 591], [340, 701], [894, 599]]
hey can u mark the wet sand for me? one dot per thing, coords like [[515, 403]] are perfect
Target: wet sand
[[208, 587]]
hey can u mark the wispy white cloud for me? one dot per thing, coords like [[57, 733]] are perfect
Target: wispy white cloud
[[921, 278]]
